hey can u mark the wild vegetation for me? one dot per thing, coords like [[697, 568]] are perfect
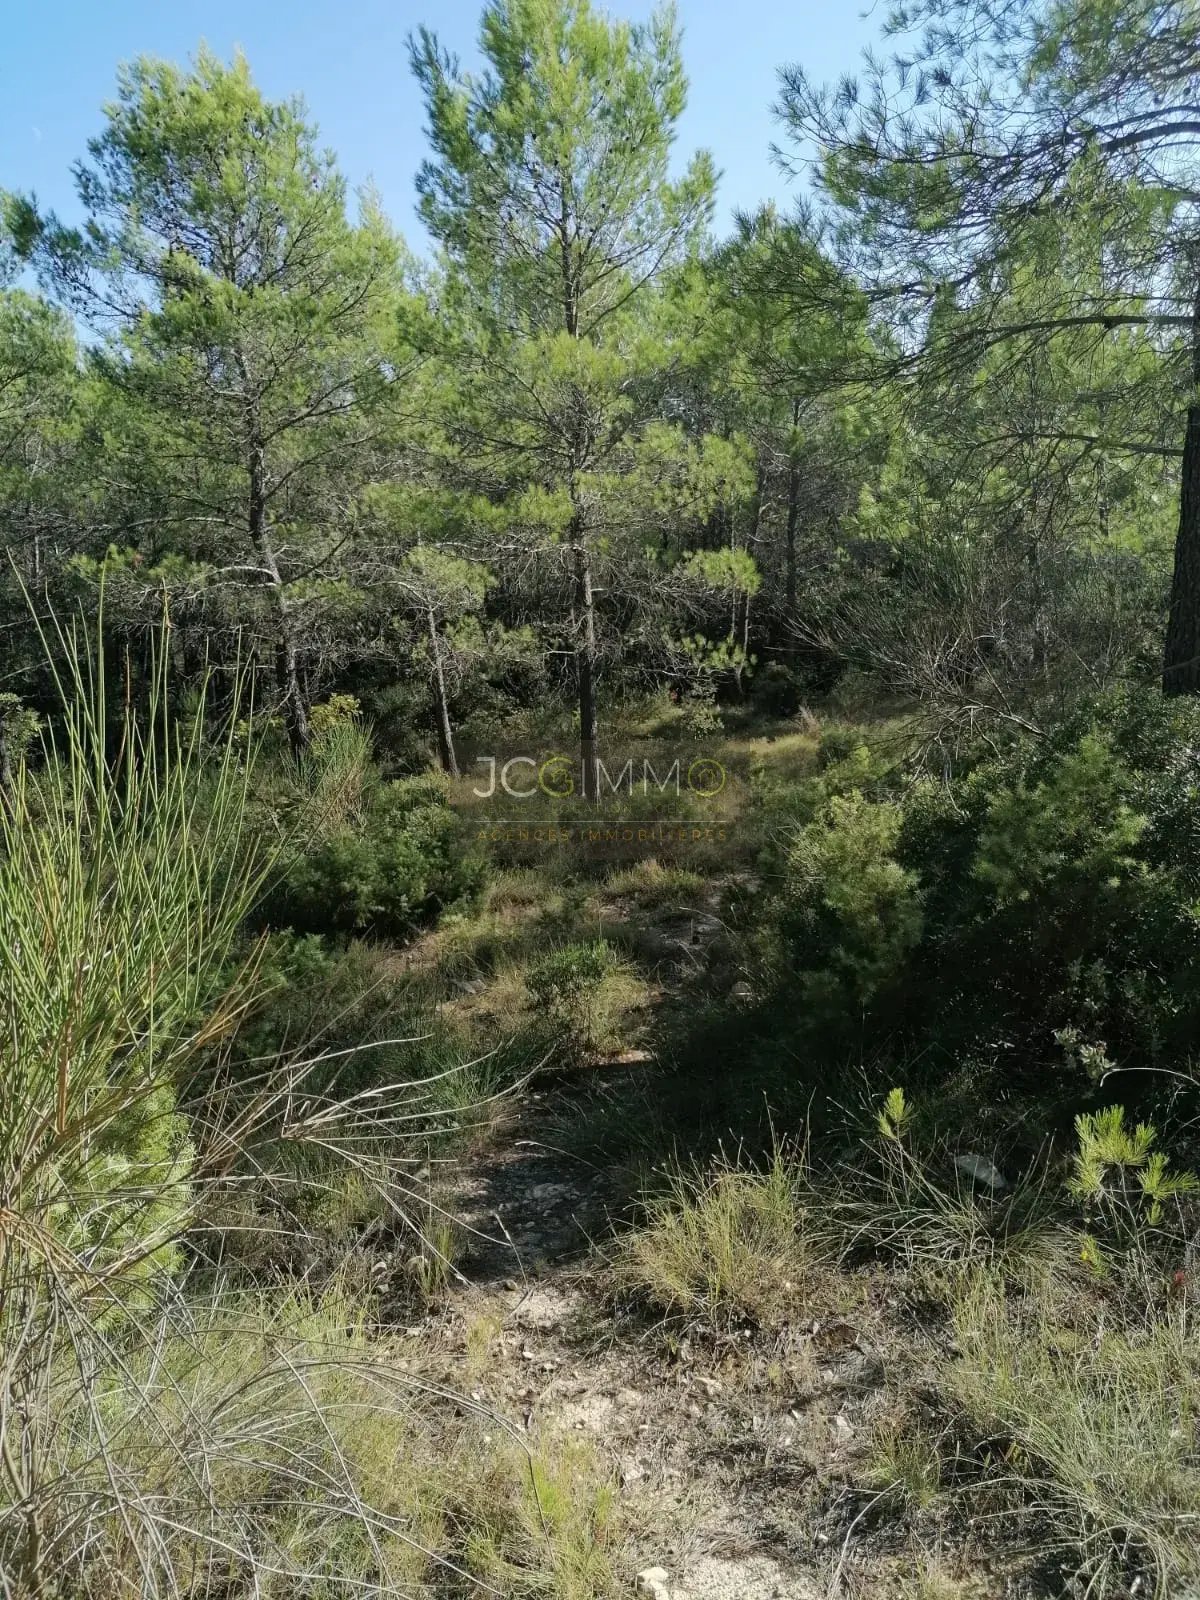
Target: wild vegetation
[[600, 833]]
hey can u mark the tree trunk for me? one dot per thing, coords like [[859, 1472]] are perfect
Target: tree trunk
[[793, 517], [6, 771], [287, 660], [585, 599], [1181, 652], [444, 728], [585, 670]]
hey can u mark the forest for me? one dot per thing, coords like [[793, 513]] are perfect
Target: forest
[[600, 831]]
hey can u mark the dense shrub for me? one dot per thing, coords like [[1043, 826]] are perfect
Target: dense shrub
[[838, 744], [1049, 885], [776, 691], [851, 912], [386, 865], [584, 991]]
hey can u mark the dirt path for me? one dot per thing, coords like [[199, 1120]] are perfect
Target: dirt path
[[717, 1450], [739, 1457]]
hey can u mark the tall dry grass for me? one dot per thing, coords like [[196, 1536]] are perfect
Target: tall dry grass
[[161, 1434]]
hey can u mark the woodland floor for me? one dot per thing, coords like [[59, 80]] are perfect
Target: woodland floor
[[741, 1457]]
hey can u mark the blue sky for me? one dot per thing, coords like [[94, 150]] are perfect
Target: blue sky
[[347, 57]]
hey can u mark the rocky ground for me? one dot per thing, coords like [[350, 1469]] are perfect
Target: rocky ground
[[741, 1457]]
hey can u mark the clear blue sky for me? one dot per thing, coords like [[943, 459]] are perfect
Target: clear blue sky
[[58, 61]]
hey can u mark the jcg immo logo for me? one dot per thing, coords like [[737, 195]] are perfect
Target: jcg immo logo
[[527, 779], [638, 801]]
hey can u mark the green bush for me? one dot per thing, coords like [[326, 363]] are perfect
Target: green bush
[[1077, 918], [1071, 838], [573, 969], [1049, 885], [851, 912], [585, 992], [393, 863], [838, 744], [776, 691]]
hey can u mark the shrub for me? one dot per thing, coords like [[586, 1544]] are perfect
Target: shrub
[[123, 887], [776, 690], [1047, 886], [701, 716], [1074, 924], [573, 970], [382, 857], [851, 912], [1071, 837], [585, 992], [838, 744]]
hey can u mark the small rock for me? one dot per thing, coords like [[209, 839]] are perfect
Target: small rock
[[653, 1581], [980, 1170], [842, 1428]]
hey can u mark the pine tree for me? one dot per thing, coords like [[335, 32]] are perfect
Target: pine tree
[[550, 195], [249, 344]]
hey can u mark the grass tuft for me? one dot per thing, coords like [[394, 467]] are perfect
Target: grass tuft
[[731, 1246], [1094, 1423]]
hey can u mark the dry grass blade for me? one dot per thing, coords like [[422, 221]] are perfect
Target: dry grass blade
[[150, 1443]]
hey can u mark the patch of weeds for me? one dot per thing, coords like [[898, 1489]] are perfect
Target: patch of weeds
[[252, 1434], [654, 884], [929, 1579], [906, 1461], [430, 1268], [917, 1203], [1096, 1425], [588, 994], [726, 1247], [482, 1331], [544, 1526]]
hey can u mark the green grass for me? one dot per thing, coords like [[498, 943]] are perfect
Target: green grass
[[728, 1246], [1091, 1423], [655, 884]]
